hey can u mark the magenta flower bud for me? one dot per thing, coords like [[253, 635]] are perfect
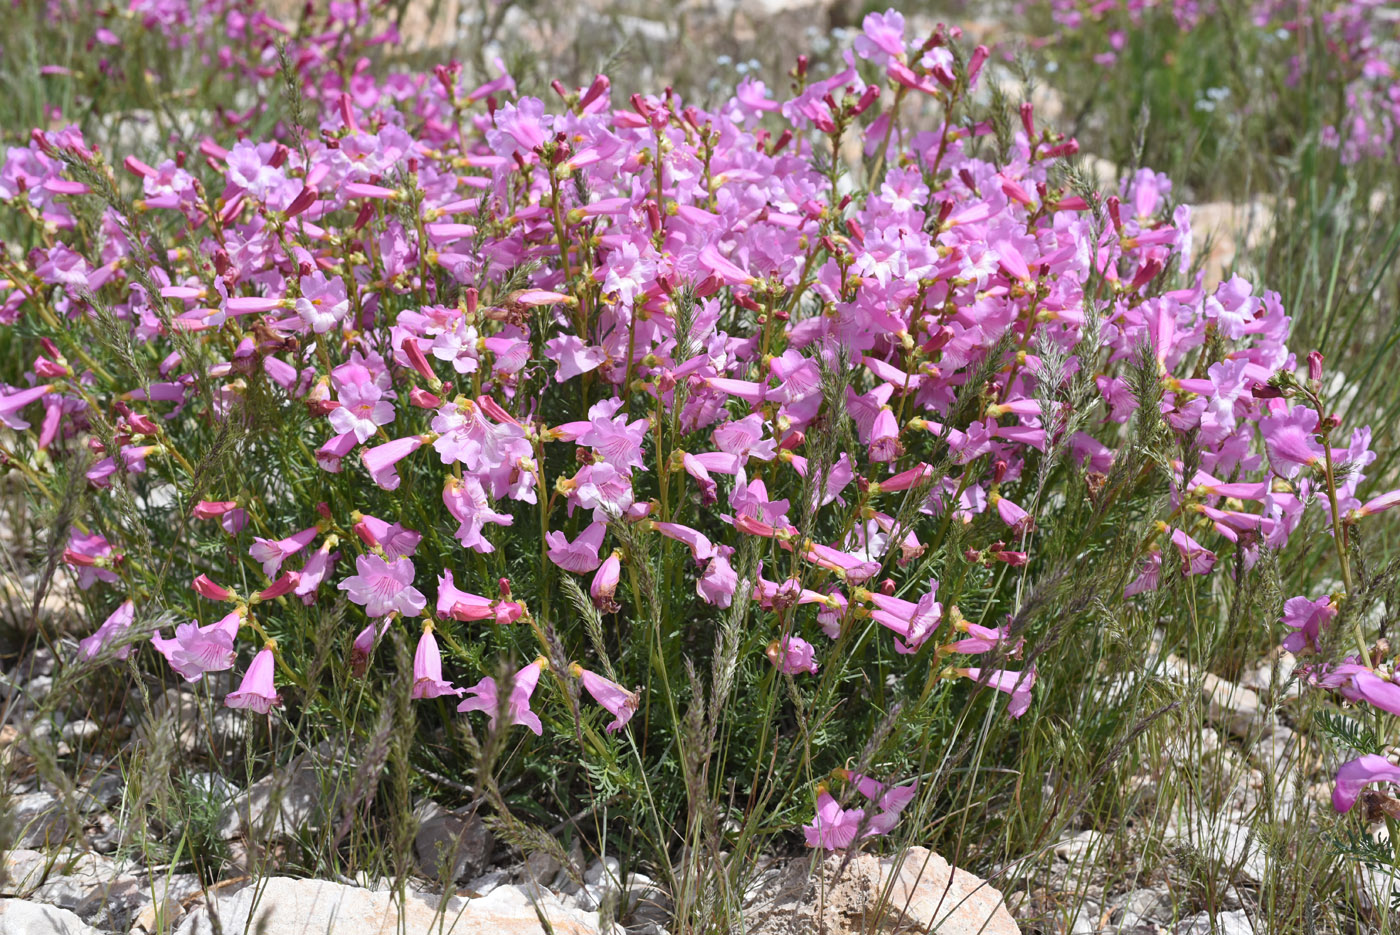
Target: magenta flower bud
[[1315, 366], [282, 585], [215, 592], [605, 584], [209, 509], [595, 92], [257, 692]]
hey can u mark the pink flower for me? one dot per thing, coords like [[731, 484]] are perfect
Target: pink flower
[[484, 697], [1016, 684], [363, 407], [717, 585], [91, 554], [621, 703], [891, 801], [833, 827], [381, 461], [1012, 515], [605, 584], [384, 587], [581, 555], [196, 650], [363, 645], [314, 572], [1356, 774], [461, 605], [257, 692], [393, 538], [273, 552], [323, 303], [1307, 618], [617, 440], [11, 404], [465, 434], [113, 628], [573, 356], [427, 669], [792, 655], [1292, 441], [470, 505], [882, 37]]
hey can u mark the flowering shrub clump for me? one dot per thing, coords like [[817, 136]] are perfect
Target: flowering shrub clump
[[586, 395], [1360, 38]]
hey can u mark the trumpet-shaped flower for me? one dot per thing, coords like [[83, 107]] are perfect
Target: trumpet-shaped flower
[[484, 697], [427, 669], [257, 692], [618, 701], [195, 650], [384, 587]]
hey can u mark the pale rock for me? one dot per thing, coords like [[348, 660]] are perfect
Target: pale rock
[[82, 884], [22, 917], [35, 819], [1224, 923], [924, 894], [305, 793], [1231, 706], [1086, 919], [24, 869], [645, 902], [1084, 846], [1144, 907], [541, 867], [80, 731], [284, 906], [1222, 842], [1277, 751], [172, 892], [486, 883], [605, 870]]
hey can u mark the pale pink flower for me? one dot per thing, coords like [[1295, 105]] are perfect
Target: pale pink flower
[[1353, 776], [833, 827], [113, 628], [382, 460], [619, 702], [484, 697], [273, 552], [792, 655], [1016, 684], [605, 584], [581, 555], [427, 669], [384, 587], [258, 691], [195, 650], [462, 605]]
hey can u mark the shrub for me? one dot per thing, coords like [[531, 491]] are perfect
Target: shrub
[[739, 456]]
